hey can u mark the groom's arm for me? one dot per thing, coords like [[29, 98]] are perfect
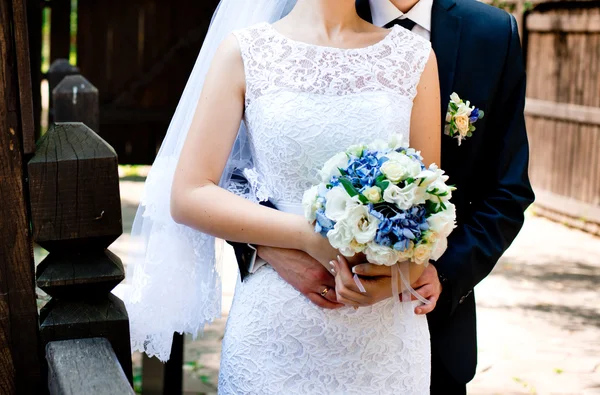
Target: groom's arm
[[497, 216]]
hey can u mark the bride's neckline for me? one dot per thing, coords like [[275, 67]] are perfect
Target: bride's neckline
[[371, 46]]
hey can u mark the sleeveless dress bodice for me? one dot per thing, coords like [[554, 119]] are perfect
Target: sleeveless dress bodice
[[305, 103]]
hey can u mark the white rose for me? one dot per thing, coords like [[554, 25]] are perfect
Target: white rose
[[421, 254], [443, 222], [399, 167], [373, 194], [364, 225], [408, 253], [381, 255], [338, 202], [341, 235], [309, 203], [332, 166]]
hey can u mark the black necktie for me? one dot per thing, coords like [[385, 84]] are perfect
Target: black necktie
[[406, 23]]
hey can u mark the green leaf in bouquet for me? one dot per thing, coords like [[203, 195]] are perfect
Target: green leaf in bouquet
[[342, 171], [409, 180], [383, 185], [363, 199], [352, 191]]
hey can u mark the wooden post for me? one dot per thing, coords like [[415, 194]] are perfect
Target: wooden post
[[76, 100], [58, 70], [19, 338], [76, 215]]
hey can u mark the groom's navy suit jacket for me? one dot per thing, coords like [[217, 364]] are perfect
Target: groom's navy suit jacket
[[479, 57]]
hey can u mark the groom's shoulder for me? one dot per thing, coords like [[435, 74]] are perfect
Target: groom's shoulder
[[485, 21]]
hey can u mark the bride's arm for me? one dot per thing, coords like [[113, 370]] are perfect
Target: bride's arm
[[425, 136], [198, 202], [426, 122]]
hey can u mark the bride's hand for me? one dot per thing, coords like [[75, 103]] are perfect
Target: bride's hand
[[348, 292], [320, 249]]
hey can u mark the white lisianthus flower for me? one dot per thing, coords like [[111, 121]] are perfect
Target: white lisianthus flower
[[391, 193], [439, 248], [363, 224], [379, 145], [455, 98], [397, 141], [340, 236], [332, 166], [381, 255], [429, 176], [422, 253], [440, 188], [356, 150], [373, 194], [309, 203], [443, 222], [338, 203], [405, 197]]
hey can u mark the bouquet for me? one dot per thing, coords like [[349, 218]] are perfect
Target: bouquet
[[379, 199]]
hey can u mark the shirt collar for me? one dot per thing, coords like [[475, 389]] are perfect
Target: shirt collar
[[383, 12]]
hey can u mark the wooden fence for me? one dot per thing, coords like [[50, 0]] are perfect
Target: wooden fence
[[563, 107], [138, 53]]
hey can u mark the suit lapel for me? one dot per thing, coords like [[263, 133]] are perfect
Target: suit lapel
[[363, 9], [445, 40]]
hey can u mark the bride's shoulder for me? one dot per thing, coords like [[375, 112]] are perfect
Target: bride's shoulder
[[252, 32]]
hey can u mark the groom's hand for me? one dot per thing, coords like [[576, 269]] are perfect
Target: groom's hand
[[304, 273]]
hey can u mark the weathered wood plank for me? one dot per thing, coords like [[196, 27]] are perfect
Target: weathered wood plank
[[99, 316], [85, 367], [20, 365], [563, 111], [564, 23], [24, 75], [572, 207]]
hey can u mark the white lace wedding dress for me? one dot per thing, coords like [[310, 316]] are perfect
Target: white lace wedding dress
[[304, 103]]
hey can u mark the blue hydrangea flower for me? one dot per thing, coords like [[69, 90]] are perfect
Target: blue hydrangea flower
[[398, 228]]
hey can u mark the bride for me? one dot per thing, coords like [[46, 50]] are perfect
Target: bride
[[303, 88]]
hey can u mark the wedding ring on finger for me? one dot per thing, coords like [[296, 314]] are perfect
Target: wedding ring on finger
[[324, 292]]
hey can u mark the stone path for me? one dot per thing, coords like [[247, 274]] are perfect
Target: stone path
[[538, 314]]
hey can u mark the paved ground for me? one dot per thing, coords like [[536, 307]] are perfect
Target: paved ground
[[538, 314]]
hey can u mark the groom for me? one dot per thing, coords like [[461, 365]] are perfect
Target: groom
[[479, 57]]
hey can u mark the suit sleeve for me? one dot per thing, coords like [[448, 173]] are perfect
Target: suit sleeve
[[497, 215]]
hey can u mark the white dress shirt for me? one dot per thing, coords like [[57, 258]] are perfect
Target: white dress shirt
[[383, 12]]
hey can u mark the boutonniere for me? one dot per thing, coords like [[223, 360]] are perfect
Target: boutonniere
[[461, 118]]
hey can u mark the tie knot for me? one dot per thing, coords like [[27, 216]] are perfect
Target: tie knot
[[406, 23]]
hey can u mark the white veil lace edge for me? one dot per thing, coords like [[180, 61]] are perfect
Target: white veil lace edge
[[173, 274]]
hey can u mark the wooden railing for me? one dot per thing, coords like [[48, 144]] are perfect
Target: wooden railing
[[75, 215]]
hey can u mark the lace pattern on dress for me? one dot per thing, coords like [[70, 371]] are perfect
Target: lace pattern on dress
[[274, 63]]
